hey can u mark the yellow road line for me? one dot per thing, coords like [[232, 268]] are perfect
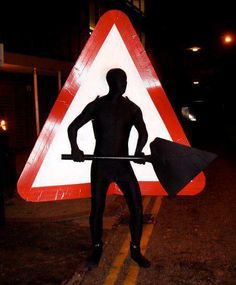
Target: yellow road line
[[121, 256], [147, 231]]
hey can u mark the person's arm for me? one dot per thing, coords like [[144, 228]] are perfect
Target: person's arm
[[85, 116], [142, 132]]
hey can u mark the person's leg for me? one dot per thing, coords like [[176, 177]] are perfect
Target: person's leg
[[133, 199], [132, 194], [99, 188], [98, 200]]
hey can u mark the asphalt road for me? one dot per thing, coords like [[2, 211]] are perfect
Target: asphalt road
[[191, 241]]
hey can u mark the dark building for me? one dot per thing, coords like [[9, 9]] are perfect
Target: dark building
[[39, 46]]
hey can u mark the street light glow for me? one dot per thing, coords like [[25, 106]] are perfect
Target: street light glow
[[195, 49], [228, 39], [3, 125]]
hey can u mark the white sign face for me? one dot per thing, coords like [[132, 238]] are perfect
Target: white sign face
[[113, 44], [112, 54]]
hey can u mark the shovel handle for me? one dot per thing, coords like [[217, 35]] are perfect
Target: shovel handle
[[94, 157]]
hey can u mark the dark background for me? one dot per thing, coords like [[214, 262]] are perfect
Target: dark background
[[193, 240]]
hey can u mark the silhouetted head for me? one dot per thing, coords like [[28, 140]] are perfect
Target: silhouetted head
[[117, 81]]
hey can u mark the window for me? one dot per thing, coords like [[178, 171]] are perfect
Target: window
[[139, 4]]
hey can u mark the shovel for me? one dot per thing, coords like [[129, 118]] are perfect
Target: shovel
[[174, 164]]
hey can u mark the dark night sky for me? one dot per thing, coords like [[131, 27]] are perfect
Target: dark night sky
[[176, 27], [181, 21]]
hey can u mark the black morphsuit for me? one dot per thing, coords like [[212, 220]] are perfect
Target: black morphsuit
[[113, 116]]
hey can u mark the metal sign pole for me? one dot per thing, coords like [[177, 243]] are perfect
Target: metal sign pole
[[36, 102]]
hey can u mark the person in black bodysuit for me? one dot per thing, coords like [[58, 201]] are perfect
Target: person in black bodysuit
[[112, 117]]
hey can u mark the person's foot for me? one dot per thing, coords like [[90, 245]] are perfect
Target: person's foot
[[94, 258], [137, 256]]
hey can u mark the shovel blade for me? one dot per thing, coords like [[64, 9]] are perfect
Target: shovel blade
[[176, 165]]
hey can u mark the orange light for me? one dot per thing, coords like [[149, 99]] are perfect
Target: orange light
[[228, 39], [3, 125]]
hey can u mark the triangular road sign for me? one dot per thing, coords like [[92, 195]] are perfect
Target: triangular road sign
[[113, 43]]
